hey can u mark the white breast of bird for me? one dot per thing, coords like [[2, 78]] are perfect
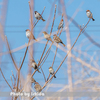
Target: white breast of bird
[[46, 36], [37, 15], [89, 14], [28, 34], [51, 71], [33, 64]]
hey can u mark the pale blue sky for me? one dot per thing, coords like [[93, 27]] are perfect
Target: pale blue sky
[[17, 21]]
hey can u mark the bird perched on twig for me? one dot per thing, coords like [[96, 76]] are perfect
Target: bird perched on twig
[[51, 71], [47, 36], [38, 16], [35, 66], [89, 14], [57, 39], [32, 80], [29, 35], [61, 24], [37, 87]]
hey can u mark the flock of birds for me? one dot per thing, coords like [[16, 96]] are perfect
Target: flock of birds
[[56, 39]]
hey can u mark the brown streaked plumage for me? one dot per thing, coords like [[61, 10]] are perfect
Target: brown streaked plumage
[[61, 24], [57, 39], [38, 87], [47, 36], [32, 80]]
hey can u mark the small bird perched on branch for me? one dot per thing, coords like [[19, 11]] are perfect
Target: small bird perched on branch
[[51, 71], [47, 36], [89, 14], [61, 24], [29, 35], [35, 66], [37, 87], [57, 39], [38, 16]]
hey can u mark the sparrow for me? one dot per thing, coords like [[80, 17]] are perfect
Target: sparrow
[[37, 87], [51, 71], [47, 36], [61, 24], [38, 16], [28, 34], [57, 39], [32, 80], [35, 66], [89, 14]]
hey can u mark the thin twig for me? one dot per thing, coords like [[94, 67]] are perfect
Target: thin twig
[[45, 58], [46, 53], [17, 84], [24, 55], [47, 40], [43, 75], [5, 79], [11, 81], [14, 79], [18, 79], [13, 75], [11, 54]]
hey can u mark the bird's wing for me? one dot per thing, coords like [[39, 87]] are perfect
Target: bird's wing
[[58, 39]]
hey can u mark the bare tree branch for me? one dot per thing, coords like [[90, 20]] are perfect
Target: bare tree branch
[[5, 79], [43, 74], [11, 54]]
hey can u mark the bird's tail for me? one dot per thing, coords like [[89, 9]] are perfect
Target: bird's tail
[[43, 19], [34, 38], [63, 44], [93, 19], [38, 70], [54, 76]]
